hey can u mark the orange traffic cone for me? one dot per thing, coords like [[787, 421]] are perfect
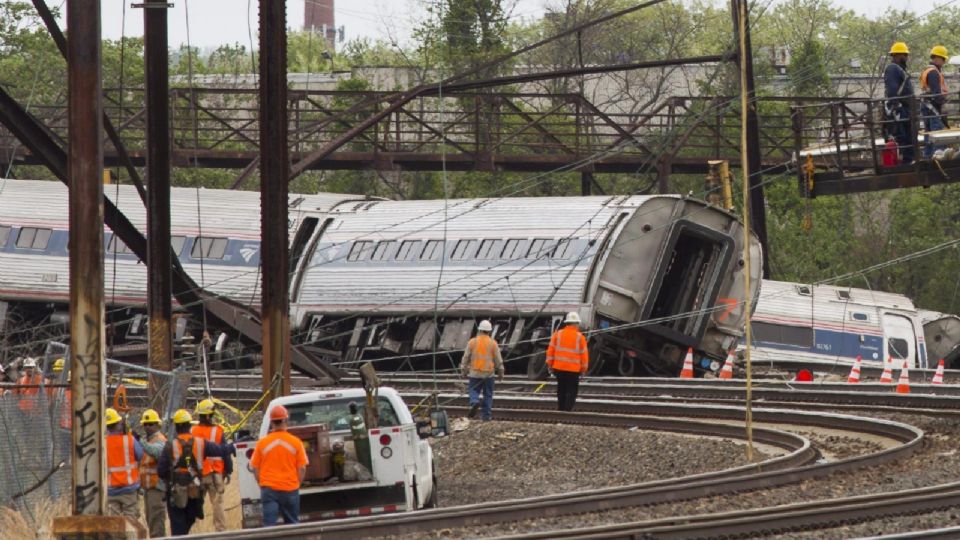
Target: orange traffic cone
[[687, 371], [854, 376], [938, 376], [903, 385], [887, 376], [727, 371]]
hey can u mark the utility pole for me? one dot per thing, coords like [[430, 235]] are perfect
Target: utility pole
[[85, 166], [159, 287], [274, 171], [758, 213]]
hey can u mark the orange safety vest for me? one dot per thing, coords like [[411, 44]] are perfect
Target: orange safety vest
[[481, 353], [923, 80], [199, 449], [148, 466], [214, 434], [29, 400], [66, 409], [122, 469], [568, 350]]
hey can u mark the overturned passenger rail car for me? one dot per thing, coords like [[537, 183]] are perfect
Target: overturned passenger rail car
[[404, 283]]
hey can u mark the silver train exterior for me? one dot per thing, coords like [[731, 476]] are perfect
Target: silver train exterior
[[649, 276], [401, 281], [830, 325]]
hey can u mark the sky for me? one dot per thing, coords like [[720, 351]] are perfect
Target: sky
[[216, 22]]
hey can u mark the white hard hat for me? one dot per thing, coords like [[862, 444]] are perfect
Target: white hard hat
[[572, 317], [30, 362], [485, 326]]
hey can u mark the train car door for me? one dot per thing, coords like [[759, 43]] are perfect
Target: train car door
[[900, 339]]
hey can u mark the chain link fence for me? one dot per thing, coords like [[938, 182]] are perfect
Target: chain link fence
[[34, 445]]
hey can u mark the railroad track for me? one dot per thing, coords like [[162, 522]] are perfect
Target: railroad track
[[792, 468]]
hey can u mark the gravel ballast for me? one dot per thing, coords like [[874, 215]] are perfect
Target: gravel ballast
[[493, 461]]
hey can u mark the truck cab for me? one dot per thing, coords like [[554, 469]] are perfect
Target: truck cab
[[402, 475]]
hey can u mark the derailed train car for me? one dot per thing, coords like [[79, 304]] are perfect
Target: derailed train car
[[405, 282]]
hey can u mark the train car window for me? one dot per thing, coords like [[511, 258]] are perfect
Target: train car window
[[898, 348], [512, 249], [4, 235], [799, 336], [360, 251], [176, 243], [432, 251], [539, 248], [489, 249], [803, 290], [33, 238], [208, 248], [409, 250], [112, 246], [843, 295], [860, 316], [464, 249], [563, 249], [382, 250]]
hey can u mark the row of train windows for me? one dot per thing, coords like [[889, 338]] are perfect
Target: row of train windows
[[39, 238], [432, 250]]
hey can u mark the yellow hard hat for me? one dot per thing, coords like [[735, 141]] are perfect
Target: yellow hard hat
[[58, 365], [112, 416], [205, 407], [899, 48], [150, 416], [182, 416], [939, 50]]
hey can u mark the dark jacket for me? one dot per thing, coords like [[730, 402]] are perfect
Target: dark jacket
[[934, 93], [897, 84], [165, 464]]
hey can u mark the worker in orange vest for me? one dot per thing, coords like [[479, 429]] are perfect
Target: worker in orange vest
[[933, 98], [481, 360], [154, 488], [124, 453], [30, 381], [181, 468], [279, 464], [567, 359], [215, 474]]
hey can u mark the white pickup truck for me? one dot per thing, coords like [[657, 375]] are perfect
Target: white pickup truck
[[403, 470]]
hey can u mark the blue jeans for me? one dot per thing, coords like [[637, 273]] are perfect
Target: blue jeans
[[932, 121], [280, 503], [485, 385]]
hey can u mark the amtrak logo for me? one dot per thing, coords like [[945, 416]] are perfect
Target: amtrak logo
[[248, 252]]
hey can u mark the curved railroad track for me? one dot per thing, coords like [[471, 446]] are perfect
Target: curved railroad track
[[791, 468]]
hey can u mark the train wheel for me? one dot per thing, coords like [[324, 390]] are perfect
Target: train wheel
[[596, 366], [537, 366]]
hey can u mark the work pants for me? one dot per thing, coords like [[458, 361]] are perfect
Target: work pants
[[127, 504], [213, 485], [182, 519], [568, 384], [932, 121], [154, 512], [482, 385], [902, 130], [280, 503]]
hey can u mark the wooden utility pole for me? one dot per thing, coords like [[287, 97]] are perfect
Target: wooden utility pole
[[751, 143], [159, 286], [274, 171]]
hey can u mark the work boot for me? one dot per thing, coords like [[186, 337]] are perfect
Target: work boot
[[473, 410]]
